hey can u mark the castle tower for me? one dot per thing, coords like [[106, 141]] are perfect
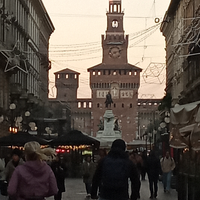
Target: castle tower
[[115, 75], [67, 83]]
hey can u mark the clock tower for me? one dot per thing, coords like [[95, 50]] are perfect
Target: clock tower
[[117, 76]]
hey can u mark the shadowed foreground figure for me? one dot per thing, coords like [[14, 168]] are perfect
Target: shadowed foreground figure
[[112, 175], [153, 171]]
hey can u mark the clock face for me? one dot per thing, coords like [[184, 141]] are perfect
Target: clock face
[[114, 52]]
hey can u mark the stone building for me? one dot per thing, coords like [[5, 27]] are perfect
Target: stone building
[[147, 114], [25, 29], [180, 28], [67, 83], [115, 75]]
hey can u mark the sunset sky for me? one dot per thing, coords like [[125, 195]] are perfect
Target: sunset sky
[[76, 41]]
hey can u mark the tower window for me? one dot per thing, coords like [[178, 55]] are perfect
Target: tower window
[[122, 105], [114, 105], [84, 105], [115, 24], [75, 76], [114, 73], [98, 105], [131, 105], [79, 104], [66, 76], [129, 73], [135, 73], [99, 73], [90, 104], [93, 73], [58, 76]]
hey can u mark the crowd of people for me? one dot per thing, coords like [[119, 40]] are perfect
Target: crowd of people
[[37, 173]]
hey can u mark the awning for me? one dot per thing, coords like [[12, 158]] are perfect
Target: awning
[[75, 138], [184, 114], [185, 120]]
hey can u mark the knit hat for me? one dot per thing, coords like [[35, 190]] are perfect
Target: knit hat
[[16, 152], [119, 144]]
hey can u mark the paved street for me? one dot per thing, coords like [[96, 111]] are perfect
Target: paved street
[[75, 190]]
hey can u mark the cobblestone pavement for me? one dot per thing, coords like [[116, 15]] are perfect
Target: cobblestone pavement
[[75, 190]]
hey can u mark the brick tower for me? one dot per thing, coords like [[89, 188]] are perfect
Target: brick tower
[[67, 83], [115, 75]]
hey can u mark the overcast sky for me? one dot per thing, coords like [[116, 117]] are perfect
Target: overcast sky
[[76, 41]]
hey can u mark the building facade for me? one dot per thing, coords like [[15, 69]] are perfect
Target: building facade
[[180, 28], [25, 29], [115, 75]]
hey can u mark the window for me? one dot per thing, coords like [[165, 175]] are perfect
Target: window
[[58, 76], [131, 105], [129, 73], [98, 105], [122, 105], [66, 76], [115, 24], [114, 73], [99, 72], [93, 73]]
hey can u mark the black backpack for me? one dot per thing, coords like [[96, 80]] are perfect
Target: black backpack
[[114, 172]]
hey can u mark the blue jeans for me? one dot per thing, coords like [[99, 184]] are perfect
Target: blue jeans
[[167, 180]]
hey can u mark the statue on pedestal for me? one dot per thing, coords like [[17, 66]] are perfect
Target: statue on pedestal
[[109, 100]]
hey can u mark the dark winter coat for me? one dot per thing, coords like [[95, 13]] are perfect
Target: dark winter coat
[[59, 172], [88, 171], [153, 167], [121, 191]]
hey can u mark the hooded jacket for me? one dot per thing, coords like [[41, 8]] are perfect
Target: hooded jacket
[[31, 180]]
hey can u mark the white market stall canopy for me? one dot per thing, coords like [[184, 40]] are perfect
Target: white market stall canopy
[[185, 121]]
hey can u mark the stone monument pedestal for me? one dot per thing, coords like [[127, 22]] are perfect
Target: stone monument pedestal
[[109, 132]]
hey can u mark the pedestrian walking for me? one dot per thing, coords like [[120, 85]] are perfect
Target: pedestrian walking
[[6, 174], [88, 169], [144, 165], [16, 159], [153, 172], [34, 179], [138, 162], [112, 175], [60, 172], [167, 165]]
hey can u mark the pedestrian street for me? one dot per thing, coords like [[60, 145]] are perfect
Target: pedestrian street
[[75, 190]]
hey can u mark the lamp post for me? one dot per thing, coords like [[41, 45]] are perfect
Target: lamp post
[[12, 127]]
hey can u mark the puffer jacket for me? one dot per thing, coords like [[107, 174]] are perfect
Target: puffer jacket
[[33, 180]]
